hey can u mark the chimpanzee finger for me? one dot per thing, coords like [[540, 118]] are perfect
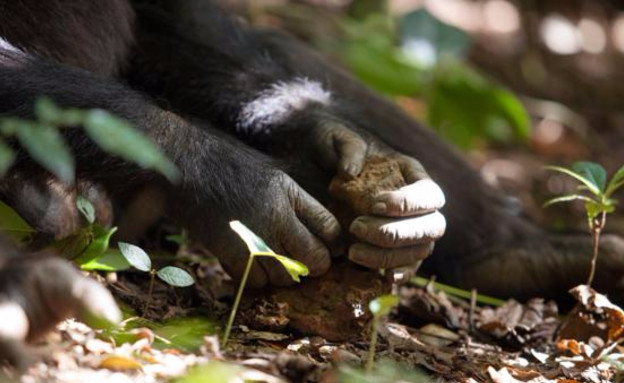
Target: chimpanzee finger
[[95, 305], [396, 233], [351, 151], [375, 257], [301, 245], [339, 148], [420, 197], [312, 214], [411, 169], [80, 296]]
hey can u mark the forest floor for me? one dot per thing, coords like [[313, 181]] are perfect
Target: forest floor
[[430, 336]]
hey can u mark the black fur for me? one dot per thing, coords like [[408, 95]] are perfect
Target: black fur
[[161, 64]]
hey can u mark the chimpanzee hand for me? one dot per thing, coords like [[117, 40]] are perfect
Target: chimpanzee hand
[[404, 223], [291, 222], [224, 180], [37, 292]]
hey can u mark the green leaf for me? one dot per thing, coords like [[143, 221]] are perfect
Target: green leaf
[[589, 184], [593, 172], [118, 137], [567, 198], [86, 208], [594, 208], [216, 372], [383, 304], [444, 38], [380, 68], [74, 245], [370, 52], [294, 268], [135, 256], [175, 276], [465, 107], [7, 156], [13, 225], [47, 146], [254, 243], [258, 247], [616, 182], [47, 111], [112, 260], [180, 239], [97, 247]]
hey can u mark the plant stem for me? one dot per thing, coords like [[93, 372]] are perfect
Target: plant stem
[[239, 294], [596, 227], [149, 291], [372, 346]]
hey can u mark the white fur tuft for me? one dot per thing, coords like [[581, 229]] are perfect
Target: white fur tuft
[[275, 104]]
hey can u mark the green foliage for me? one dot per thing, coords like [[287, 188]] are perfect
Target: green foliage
[[135, 256], [118, 137], [257, 247], [593, 189], [182, 333], [86, 209], [421, 27], [43, 141], [87, 243], [465, 107], [429, 62], [111, 260], [100, 239], [175, 276], [214, 372], [46, 145], [138, 258], [14, 226], [379, 307], [383, 305], [180, 239], [596, 194]]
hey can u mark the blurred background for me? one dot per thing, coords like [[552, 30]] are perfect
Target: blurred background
[[514, 84]]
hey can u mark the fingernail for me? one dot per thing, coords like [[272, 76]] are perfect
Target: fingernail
[[380, 208]]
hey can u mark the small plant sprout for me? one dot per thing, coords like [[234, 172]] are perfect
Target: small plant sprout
[[596, 193], [379, 306], [90, 241], [138, 258], [258, 248]]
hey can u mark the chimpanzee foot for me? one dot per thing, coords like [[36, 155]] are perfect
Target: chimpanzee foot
[[37, 292], [545, 267]]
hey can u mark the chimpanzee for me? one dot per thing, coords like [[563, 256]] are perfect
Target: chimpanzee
[[258, 125]]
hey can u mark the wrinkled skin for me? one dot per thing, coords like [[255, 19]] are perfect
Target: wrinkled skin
[[403, 224]]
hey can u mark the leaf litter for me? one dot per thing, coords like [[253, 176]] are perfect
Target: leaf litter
[[444, 338]]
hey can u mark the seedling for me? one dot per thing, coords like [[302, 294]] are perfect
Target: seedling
[[596, 193], [138, 258], [379, 306], [89, 242], [258, 248]]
